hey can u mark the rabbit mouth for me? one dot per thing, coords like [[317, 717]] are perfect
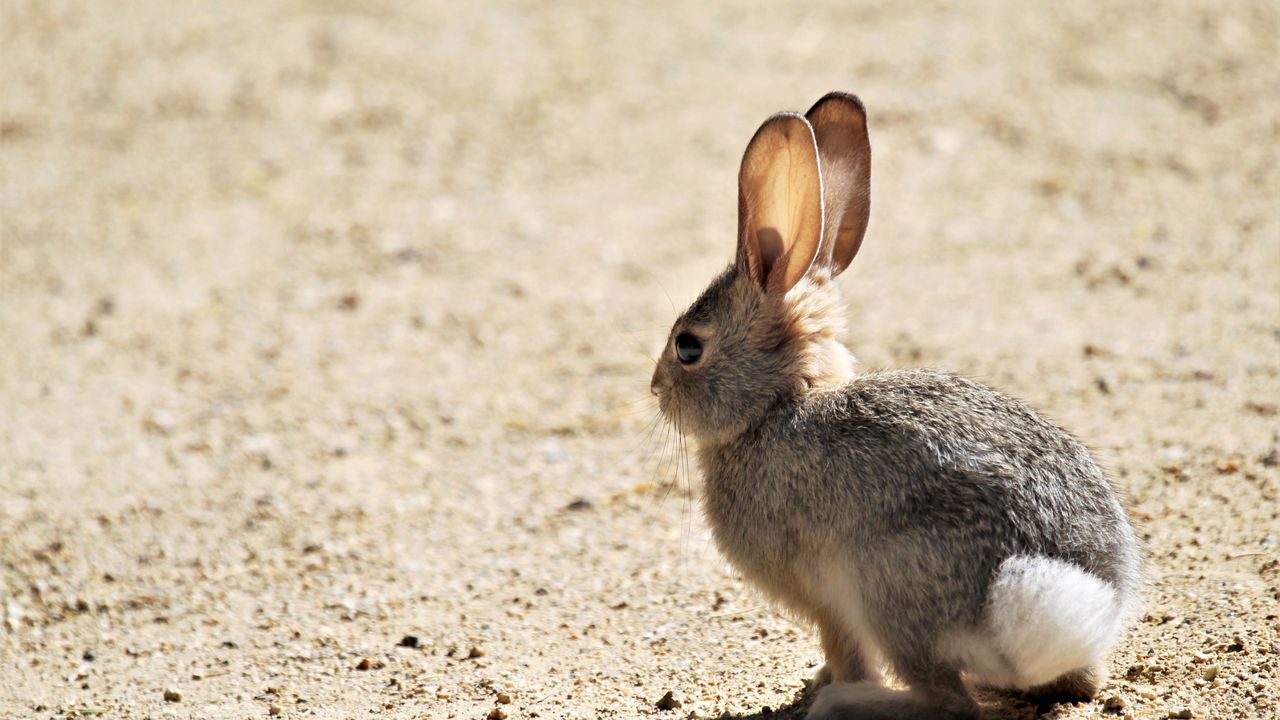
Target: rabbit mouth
[[669, 411]]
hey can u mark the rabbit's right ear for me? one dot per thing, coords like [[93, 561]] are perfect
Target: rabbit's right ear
[[840, 124], [779, 204]]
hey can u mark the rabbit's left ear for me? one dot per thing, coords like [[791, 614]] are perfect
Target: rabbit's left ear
[[779, 204], [840, 125]]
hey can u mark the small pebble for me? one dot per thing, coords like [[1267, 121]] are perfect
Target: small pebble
[[497, 714], [475, 652], [1182, 714], [274, 710], [410, 641], [171, 695], [364, 664], [1114, 704], [1210, 673], [667, 702], [503, 698], [581, 503], [1271, 459], [88, 656]]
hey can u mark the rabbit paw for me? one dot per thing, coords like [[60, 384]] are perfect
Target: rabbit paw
[[872, 701], [822, 678]]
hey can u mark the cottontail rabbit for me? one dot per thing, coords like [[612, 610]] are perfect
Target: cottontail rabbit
[[916, 517]]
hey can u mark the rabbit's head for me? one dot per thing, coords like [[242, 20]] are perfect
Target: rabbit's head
[[768, 327]]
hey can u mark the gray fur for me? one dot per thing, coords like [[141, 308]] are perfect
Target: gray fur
[[920, 483]]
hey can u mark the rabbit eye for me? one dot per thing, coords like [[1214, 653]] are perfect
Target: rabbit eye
[[688, 348]]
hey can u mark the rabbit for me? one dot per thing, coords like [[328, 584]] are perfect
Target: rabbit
[[919, 519]]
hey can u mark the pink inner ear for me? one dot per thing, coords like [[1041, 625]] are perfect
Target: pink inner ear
[[769, 240], [780, 202]]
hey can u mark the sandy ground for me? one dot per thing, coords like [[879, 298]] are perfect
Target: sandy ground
[[324, 324]]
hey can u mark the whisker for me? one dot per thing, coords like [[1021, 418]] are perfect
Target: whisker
[[661, 448], [668, 442], [664, 292], [642, 448], [645, 399], [644, 349], [675, 480], [631, 408], [686, 516]]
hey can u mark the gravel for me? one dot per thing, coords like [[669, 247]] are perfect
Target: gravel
[[318, 317]]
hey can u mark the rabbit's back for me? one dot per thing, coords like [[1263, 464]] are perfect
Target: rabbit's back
[[914, 479], [940, 448]]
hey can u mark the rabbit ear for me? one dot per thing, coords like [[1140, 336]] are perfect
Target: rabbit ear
[[779, 203], [840, 125]]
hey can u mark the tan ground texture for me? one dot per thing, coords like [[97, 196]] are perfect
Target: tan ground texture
[[323, 324]]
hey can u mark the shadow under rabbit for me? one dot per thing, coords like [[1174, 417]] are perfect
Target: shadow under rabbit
[[995, 704]]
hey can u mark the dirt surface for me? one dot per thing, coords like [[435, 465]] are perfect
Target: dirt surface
[[323, 335]]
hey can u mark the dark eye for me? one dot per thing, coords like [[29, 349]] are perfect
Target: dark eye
[[688, 348]]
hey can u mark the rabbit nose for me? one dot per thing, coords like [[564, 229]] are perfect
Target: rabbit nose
[[658, 385]]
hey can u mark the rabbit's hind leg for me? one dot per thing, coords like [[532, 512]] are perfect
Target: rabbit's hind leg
[[1075, 686], [848, 658], [942, 698]]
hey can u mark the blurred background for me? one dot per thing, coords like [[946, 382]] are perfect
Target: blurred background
[[325, 334]]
